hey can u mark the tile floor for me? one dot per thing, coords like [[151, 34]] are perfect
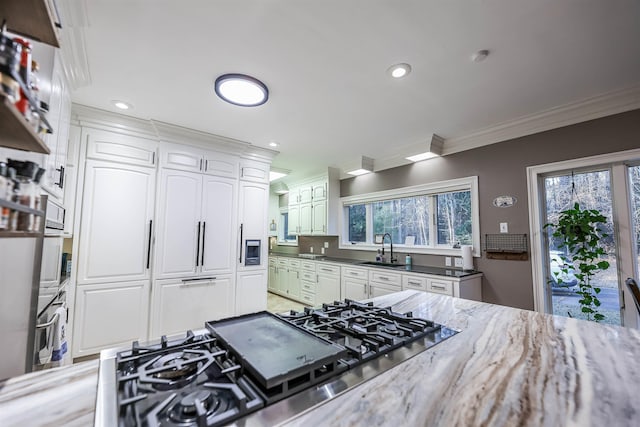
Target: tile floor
[[278, 304]]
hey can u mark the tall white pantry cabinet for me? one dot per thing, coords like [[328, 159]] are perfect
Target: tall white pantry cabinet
[[159, 214]]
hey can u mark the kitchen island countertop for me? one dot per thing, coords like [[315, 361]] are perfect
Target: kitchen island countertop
[[507, 367]]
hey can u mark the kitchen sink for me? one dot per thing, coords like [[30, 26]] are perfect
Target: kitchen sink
[[381, 264]]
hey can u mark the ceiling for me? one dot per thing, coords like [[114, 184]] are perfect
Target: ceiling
[[331, 99]]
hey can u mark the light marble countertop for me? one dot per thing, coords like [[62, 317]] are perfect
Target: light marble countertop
[[508, 367]]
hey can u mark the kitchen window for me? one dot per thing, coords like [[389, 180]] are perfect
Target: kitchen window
[[431, 218], [284, 238]]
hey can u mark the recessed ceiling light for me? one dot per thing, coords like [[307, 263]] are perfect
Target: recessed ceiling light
[[399, 70], [422, 156], [273, 144], [242, 90], [273, 175], [359, 172], [122, 105], [480, 55]]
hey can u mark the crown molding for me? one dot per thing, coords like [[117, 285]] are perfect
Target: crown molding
[[607, 104], [596, 107], [83, 115]]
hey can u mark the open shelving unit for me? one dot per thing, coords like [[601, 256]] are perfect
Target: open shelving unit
[[36, 19], [21, 208]]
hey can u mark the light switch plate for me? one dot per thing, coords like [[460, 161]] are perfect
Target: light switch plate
[[311, 249], [322, 251], [458, 262], [326, 245], [504, 227], [447, 261]]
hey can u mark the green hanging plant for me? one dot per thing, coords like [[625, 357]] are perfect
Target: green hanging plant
[[580, 232]]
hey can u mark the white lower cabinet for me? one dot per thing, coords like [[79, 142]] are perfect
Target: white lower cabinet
[[379, 289], [328, 285], [251, 291], [181, 304], [110, 315], [355, 283]]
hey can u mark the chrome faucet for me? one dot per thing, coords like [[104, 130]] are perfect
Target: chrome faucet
[[392, 259]]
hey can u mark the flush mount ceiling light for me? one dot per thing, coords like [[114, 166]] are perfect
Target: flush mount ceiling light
[[122, 105], [365, 166], [434, 149], [399, 70], [242, 90], [273, 144], [480, 55]]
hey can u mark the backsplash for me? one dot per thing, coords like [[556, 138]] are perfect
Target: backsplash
[[305, 243]]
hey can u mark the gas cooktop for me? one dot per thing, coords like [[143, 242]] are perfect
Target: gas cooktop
[[260, 367]]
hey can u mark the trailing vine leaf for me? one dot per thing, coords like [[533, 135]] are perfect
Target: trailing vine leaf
[[580, 232]]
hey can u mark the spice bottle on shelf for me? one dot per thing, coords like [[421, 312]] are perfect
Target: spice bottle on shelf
[[25, 73]]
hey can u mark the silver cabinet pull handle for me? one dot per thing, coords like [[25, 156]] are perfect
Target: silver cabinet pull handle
[[442, 288], [413, 283], [53, 320], [198, 279], [383, 278]]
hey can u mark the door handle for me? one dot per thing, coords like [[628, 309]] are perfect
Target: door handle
[[60, 182], [198, 245], [204, 224], [199, 279], [240, 259], [149, 244]]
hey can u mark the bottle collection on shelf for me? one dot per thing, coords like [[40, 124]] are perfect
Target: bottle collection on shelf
[[19, 81], [20, 184]]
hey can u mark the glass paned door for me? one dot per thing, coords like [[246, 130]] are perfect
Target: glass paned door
[[592, 190]]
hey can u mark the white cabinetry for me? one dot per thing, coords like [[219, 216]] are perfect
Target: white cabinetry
[[110, 315], [383, 282], [313, 206], [116, 225], [181, 304], [273, 278], [251, 291], [468, 287], [355, 283], [328, 286], [254, 199]]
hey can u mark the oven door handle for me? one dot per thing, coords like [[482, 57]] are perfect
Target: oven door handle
[[53, 320]]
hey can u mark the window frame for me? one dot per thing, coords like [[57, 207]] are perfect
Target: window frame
[[432, 189], [282, 232]]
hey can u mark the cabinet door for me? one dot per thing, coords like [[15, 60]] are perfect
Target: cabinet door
[[181, 157], [272, 278], [293, 226], [254, 171], [355, 289], [115, 147], [282, 279], [110, 315], [218, 245], [306, 194], [319, 215], [117, 210], [220, 164], [293, 283], [379, 289], [327, 289], [179, 224], [254, 200], [251, 292], [178, 305], [306, 215], [319, 190], [59, 118]]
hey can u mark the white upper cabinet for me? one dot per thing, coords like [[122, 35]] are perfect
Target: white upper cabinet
[[254, 171], [116, 224], [305, 194], [179, 224], [221, 164], [319, 190], [181, 157], [253, 205], [319, 217], [115, 147], [218, 247]]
